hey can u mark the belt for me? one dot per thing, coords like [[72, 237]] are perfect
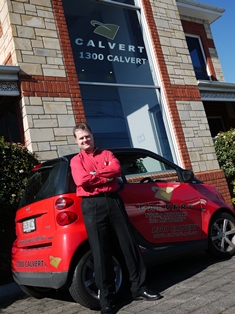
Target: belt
[[103, 194]]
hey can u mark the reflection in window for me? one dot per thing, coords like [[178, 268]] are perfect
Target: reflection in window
[[115, 78], [9, 126], [216, 125], [107, 43], [232, 106], [120, 117], [198, 61], [136, 168], [146, 165]]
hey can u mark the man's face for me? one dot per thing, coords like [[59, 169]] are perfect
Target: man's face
[[85, 140]]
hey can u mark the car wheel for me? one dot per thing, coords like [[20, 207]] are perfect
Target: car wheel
[[83, 288], [37, 292], [222, 235]]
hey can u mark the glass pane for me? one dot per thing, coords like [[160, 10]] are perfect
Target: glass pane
[[42, 184], [122, 117], [107, 43], [135, 168], [216, 125], [13, 122], [108, 47], [9, 125], [197, 58], [3, 127], [164, 147], [145, 165]]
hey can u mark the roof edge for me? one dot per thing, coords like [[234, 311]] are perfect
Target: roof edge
[[9, 73], [199, 10]]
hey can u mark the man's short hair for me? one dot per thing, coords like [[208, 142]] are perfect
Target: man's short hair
[[81, 126]]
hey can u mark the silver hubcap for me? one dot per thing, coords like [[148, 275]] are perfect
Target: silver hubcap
[[223, 235]]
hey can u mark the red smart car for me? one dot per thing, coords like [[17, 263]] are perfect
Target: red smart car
[[171, 213]]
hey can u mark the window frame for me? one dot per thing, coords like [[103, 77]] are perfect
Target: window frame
[[154, 70], [119, 4], [203, 56]]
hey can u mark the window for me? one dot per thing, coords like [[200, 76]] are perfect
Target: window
[[107, 43], [116, 75], [138, 168], [9, 126], [197, 56], [216, 125], [48, 180], [231, 109], [126, 117]]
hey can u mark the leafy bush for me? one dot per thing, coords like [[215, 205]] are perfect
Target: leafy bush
[[225, 151], [16, 163]]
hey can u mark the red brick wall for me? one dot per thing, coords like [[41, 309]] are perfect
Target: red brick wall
[[8, 60], [72, 78], [172, 92], [217, 179], [44, 86]]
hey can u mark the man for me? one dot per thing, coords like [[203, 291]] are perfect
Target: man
[[95, 173]]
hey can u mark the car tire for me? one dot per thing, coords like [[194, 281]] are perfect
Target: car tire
[[37, 292], [83, 288], [221, 236]]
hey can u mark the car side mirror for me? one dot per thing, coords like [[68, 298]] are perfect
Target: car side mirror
[[187, 175]]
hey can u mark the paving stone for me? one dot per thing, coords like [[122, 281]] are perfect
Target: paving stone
[[196, 285]]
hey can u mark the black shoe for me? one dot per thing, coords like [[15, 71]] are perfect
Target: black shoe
[[148, 296], [107, 309]]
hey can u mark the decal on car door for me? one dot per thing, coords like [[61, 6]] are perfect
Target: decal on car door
[[164, 212]]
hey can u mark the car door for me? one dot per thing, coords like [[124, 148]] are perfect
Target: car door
[[162, 209]]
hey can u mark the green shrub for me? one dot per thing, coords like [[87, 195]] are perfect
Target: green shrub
[[16, 163], [225, 151]]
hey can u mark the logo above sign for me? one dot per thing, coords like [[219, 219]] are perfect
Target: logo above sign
[[105, 30]]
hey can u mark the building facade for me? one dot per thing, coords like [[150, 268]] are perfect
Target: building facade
[[142, 73]]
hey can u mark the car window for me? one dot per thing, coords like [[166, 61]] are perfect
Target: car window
[[42, 184], [135, 169]]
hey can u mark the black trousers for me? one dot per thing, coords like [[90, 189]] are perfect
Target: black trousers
[[104, 215]]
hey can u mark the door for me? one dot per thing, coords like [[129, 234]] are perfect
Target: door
[[162, 209]]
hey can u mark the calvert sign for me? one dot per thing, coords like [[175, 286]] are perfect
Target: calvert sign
[[100, 50]]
